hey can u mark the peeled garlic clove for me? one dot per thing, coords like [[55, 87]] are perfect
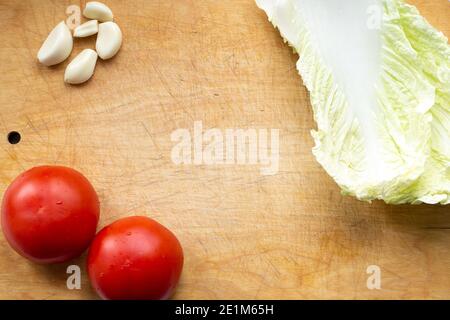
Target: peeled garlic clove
[[109, 40], [98, 11], [81, 68], [86, 29], [57, 47]]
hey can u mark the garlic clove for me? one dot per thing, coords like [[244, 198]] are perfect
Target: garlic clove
[[98, 11], [57, 47], [86, 29], [81, 68], [109, 40]]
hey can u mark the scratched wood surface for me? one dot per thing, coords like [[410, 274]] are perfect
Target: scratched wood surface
[[290, 235]]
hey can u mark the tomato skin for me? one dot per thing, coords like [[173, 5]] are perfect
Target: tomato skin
[[135, 258], [50, 214]]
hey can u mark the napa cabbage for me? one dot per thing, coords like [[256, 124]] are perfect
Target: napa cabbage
[[379, 80]]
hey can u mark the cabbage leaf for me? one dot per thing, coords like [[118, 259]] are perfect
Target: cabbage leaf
[[379, 79]]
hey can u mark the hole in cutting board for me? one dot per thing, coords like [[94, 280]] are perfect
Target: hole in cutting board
[[14, 137]]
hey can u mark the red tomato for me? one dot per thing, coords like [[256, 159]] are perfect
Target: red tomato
[[135, 258], [50, 214]]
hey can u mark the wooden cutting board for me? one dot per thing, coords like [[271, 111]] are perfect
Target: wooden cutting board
[[245, 235]]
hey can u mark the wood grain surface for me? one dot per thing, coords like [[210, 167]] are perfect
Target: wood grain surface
[[287, 236]]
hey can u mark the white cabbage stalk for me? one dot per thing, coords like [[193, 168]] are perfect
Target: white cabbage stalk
[[379, 82]]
